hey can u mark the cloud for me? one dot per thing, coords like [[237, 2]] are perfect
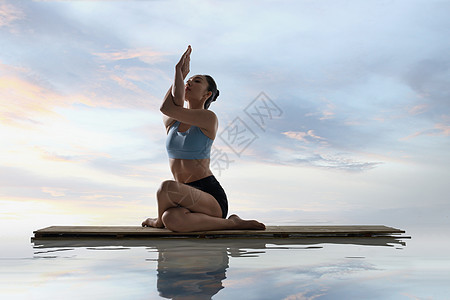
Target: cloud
[[340, 148], [306, 295], [55, 192], [23, 185], [73, 153], [27, 99], [9, 14], [23, 100], [145, 55], [54, 156], [126, 83], [307, 150], [101, 196], [439, 129], [69, 53], [305, 137], [430, 80], [328, 112], [337, 162], [418, 109]]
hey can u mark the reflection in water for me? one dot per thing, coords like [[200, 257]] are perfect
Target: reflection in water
[[196, 268], [190, 274], [235, 243]]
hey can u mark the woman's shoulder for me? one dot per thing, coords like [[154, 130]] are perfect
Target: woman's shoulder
[[212, 115]]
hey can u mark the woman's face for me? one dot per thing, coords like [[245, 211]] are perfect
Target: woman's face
[[196, 88]]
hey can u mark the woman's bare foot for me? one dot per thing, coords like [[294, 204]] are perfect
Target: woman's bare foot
[[152, 222], [246, 224]]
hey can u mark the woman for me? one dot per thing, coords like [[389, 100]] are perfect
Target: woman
[[194, 201]]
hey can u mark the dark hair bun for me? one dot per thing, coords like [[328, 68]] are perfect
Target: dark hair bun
[[217, 95], [212, 87]]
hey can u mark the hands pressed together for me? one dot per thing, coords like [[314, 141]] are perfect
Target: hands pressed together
[[183, 65]]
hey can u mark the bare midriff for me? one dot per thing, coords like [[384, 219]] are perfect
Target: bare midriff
[[188, 170]]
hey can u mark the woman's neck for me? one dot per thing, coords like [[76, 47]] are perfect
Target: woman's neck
[[194, 106]]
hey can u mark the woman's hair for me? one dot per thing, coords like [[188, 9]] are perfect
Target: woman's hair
[[212, 87]]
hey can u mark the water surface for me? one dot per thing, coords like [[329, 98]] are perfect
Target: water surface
[[303, 268]]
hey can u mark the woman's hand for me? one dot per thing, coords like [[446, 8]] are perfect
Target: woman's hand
[[181, 71], [184, 63]]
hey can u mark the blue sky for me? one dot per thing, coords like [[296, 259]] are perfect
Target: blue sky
[[362, 88]]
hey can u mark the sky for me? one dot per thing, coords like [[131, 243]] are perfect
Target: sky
[[330, 112]]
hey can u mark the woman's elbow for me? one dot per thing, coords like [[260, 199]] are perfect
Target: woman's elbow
[[168, 110], [165, 108]]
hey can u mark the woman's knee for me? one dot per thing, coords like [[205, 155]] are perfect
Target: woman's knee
[[173, 219], [164, 188]]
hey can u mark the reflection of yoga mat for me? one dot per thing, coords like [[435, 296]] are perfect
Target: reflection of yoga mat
[[270, 232]]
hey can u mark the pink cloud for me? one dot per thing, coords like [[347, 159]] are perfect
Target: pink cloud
[[305, 137], [55, 192], [9, 14], [326, 113], [418, 109], [145, 55], [24, 100], [299, 135], [439, 129], [444, 128], [126, 84]]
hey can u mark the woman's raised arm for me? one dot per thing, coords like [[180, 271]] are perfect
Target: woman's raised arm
[[182, 68], [173, 108], [175, 94]]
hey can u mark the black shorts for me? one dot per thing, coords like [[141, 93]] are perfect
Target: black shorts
[[211, 186]]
